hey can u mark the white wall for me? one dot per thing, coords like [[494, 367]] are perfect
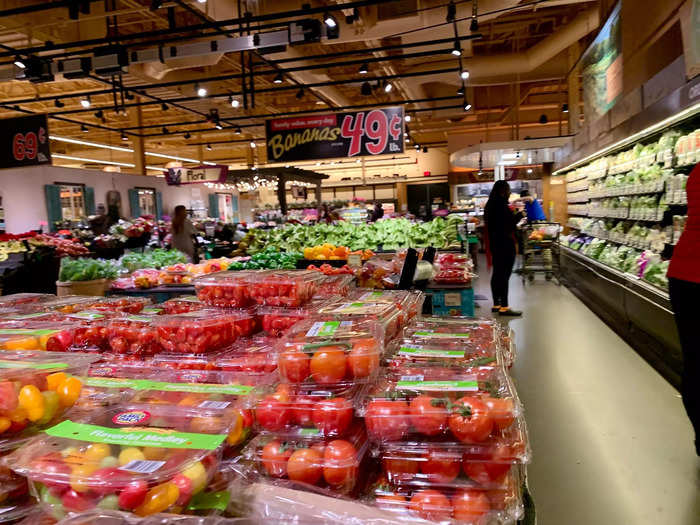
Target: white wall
[[24, 201]]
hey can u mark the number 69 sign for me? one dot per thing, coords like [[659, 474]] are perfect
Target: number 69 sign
[[333, 135], [24, 141]]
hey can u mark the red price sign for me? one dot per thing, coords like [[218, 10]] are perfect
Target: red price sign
[[376, 127], [25, 142]]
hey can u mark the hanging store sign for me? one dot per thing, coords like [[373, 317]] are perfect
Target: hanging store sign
[[24, 142], [197, 175], [334, 135]]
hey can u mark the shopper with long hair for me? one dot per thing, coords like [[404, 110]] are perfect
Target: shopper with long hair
[[500, 230], [183, 233], [684, 289]]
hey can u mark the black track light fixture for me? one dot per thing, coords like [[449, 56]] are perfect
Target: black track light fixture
[[164, 130], [466, 105], [364, 69], [543, 119], [366, 89], [300, 93], [208, 147], [20, 63], [474, 24], [164, 106], [237, 131], [124, 137], [187, 135], [99, 114], [278, 79], [156, 4], [456, 48], [58, 103], [565, 108], [461, 90], [128, 95], [330, 20], [425, 149], [84, 128], [451, 12]]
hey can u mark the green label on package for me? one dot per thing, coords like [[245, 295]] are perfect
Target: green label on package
[[27, 331], [188, 298], [438, 385], [34, 366], [139, 318], [196, 388], [371, 295], [110, 382], [323, 329], [429, 352], [210, 501], [89, 315], [431, 333], [136, 436], [28, 316], [151, 311]]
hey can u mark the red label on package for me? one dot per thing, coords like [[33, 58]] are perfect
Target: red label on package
[[131, 417]]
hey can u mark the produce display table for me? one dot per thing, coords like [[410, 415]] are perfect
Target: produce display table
[[159, 294], [451, 299]]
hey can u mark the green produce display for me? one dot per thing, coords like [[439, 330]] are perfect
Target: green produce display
[[390, 234], [87, 269], [268, 259], [157, 258]]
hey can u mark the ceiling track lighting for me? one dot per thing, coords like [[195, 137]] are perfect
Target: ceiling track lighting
[[200, 90], [252, 144], [85, 102], [84, 128], [218, 125], [388, 86], [474, 25], [364, 69], [156, 4], [187, 135], [464, 74], [237, 131], [425, 149], [124, 137], [164, 130], [565, 108], [300, 93], [278, 79], [233, 101], [208, 147], [407, 118], [417, 147], [466, 105], [164, 106], [457, 48], [19, 62], [330, 20], [451, 12], [58, 103], [543, 119], [366, 89], [99, 114], [129, 96], [461, 90]]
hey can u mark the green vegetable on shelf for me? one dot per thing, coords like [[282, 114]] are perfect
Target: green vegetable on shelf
[[82, 269]]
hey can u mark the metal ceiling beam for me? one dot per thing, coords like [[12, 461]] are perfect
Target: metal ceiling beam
[[56, 4]]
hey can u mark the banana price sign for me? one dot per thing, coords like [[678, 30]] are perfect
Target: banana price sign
[[333, 135]]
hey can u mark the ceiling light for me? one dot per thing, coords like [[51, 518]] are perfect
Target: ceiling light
[[124, 137], [278, 78], [252, 144], [85, 101], [457, 49], [407, 118], [330, 20], [364, 69], [451, 12], [529, 170], [357, 161], [286, 165], [155, 4], [86, 143], [300, 93], [128, 96], [464, 75], [366, 89], [58, 103], [164, 130], [202, 1], [84, 128], [20, 63], [82, 159], [417, 146], [218, 125], [234, 102], [99, 114], [237, 131], [187, 135], [318, 164], [407, 140], [388, 87], [425, 150], [543, 119], [460, 90], [208, 147], [467, 106], [565, 108], [200, 90], [474, 25], [164, 106]]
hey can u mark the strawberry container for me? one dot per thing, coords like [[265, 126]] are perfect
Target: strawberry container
[[133, 334], [391, 318], [333, 286], [22, 299], [310, 462], [184, 304], [20, 319], [144, 458], [202, 331], [463, 408], [327, 352], [226, 289], [309, 410]]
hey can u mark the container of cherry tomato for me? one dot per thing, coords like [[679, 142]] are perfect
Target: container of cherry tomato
[[285, 288], [336, 286], [183, 304], [409, 303], [67, 305], [133, 334], [391, 318], [309, 410], [327, 352], [174, 277], [463, 502], [21, 299], [276, 320], [474, 408], [115, 517], [226, 289], [52, 336], [127, 305], [19, 319], [453, 268], [252, 355], [202, 331], [142, 458], [311, 462]]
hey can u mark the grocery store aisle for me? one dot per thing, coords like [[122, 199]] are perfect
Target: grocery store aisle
[[611, 442]]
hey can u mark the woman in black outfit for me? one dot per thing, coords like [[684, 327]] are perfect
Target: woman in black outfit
[[500, 228]]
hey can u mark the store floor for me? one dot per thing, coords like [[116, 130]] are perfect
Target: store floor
[[611, 442]]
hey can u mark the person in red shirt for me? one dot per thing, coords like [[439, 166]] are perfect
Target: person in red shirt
[[684, 289]]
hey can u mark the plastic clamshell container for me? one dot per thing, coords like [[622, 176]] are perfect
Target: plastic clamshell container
[[326, 352], [452, 275], [182, 305], [452, 259], [127, 305], [226, 289], [132, 457], [286, 288], [133, 334], [20, 319], [52, 336], [309, 410], [36, 389], [252, 355], [333, 464], [202, 331], [391, 318], [69, 304], [410, 303], [276, 320], [20, 299], [332, 286], [475, 409], [174, 277], [115, 517], [465, 503]]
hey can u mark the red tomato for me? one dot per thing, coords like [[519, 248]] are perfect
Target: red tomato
[[332, 416], [490, 468], [273, 414], [293, 365], [305, 465], [275, 456], [302, 409], [428, 415], [441, 466], [340, 464], [470, 421], [76, 502], [391, 501], [386, 419], [431, 505], [8, 396], [470, 505], [363, 359], [502, 411], [400, 467], [328, 364]]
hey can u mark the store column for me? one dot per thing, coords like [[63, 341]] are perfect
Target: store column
[[138, 142], [574, 89]]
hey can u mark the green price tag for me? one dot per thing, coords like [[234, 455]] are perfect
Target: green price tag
[[323, 329], [429, 352], [34, 366], [155, 311], [438, 385], [139, 318], [111, 382], [87, 314], [196, 388], [27, 331], [210, 501], [431, 333], [136, 436], [28, 316]]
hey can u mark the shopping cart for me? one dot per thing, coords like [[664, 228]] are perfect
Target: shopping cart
[[539, 239]]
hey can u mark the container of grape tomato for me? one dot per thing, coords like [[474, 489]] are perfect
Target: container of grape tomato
[[183, 304], [115, 517], [387, 314], [20, 299], [333, 286], [202, 331], [68, 304], [124, 304], [133, 334], [142, 458]]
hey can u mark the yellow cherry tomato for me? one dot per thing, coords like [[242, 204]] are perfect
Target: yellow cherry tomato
[[236, 434], [130, 454], [4, 424], [190, 400], [198, 475], [158, 499], [80, 477], [51, 406], [155, 453], [54, 380], [69, 391], [97, 452], [23, 343], [205, 425], [18, 415], [43, 340], [32, 401]]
